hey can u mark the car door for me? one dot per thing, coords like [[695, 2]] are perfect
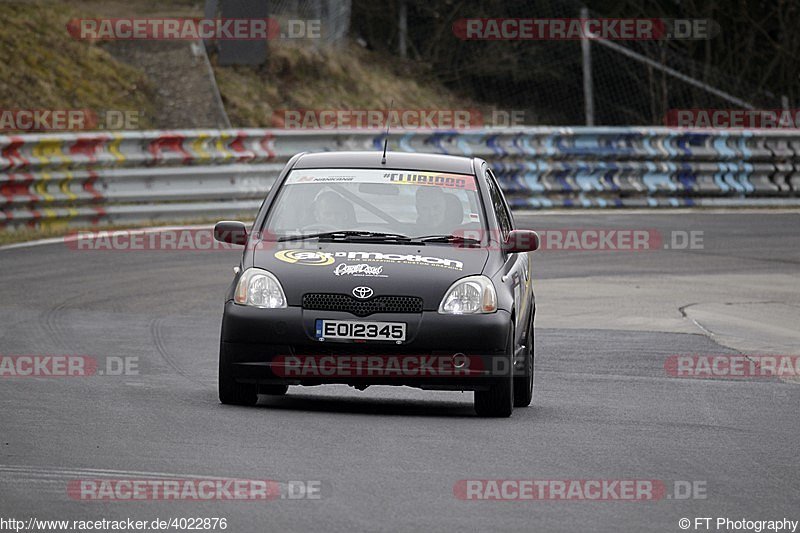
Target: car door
[[516, 270]]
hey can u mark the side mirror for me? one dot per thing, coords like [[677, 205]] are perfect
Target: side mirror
[[522, 240], [231, 231]]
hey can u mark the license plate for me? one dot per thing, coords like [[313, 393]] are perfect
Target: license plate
[[358, 330]]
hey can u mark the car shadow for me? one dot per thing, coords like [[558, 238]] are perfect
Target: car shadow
[[366, 406]]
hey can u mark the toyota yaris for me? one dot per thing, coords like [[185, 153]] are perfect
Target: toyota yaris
[[368, 270]]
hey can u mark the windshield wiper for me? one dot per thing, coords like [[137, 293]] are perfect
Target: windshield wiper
[[457, 239], [365, 235]]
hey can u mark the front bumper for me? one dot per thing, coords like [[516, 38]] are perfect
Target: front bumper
[[278, 346]]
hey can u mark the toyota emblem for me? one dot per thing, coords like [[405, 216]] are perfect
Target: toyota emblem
[[362, 292]]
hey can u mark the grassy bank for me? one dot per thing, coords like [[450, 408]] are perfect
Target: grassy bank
[[43, 67]]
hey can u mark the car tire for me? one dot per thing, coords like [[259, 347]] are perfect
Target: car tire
[[231, 392], [273, 390], [498, 400], [523, 385]]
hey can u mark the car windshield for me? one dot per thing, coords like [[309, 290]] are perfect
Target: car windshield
[[398, 202]]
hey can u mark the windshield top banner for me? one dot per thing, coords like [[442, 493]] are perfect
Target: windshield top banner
[[400, 177]]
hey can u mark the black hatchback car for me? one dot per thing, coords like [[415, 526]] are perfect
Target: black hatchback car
[[364, 270]]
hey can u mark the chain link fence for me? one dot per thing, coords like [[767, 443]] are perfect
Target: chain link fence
[[634, 82]]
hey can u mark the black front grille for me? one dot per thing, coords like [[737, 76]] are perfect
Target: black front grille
[[348, 304]]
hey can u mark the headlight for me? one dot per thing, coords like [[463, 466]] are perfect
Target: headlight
[[259, 288], [474, 294]]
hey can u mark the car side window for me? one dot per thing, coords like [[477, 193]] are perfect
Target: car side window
[[500, 209]]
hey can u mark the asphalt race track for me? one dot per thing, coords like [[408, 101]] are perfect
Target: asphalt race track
[[604, 406]]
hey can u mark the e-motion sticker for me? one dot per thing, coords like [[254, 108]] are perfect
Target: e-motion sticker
[[304, 257], [314, 258]]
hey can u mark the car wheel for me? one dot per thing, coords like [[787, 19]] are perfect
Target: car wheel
[[231, 392], [523, 385], [498, 400], [273, 390]]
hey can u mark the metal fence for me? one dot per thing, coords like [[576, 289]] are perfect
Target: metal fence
[[87, 179]]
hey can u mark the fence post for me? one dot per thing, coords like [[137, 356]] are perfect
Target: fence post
[[588, 96]]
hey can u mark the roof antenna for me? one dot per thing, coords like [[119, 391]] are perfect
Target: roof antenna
[[386, 138]]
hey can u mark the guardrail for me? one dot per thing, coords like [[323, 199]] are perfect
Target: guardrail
[[103, 177]]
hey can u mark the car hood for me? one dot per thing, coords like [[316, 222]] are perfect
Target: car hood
[[388, 269]]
